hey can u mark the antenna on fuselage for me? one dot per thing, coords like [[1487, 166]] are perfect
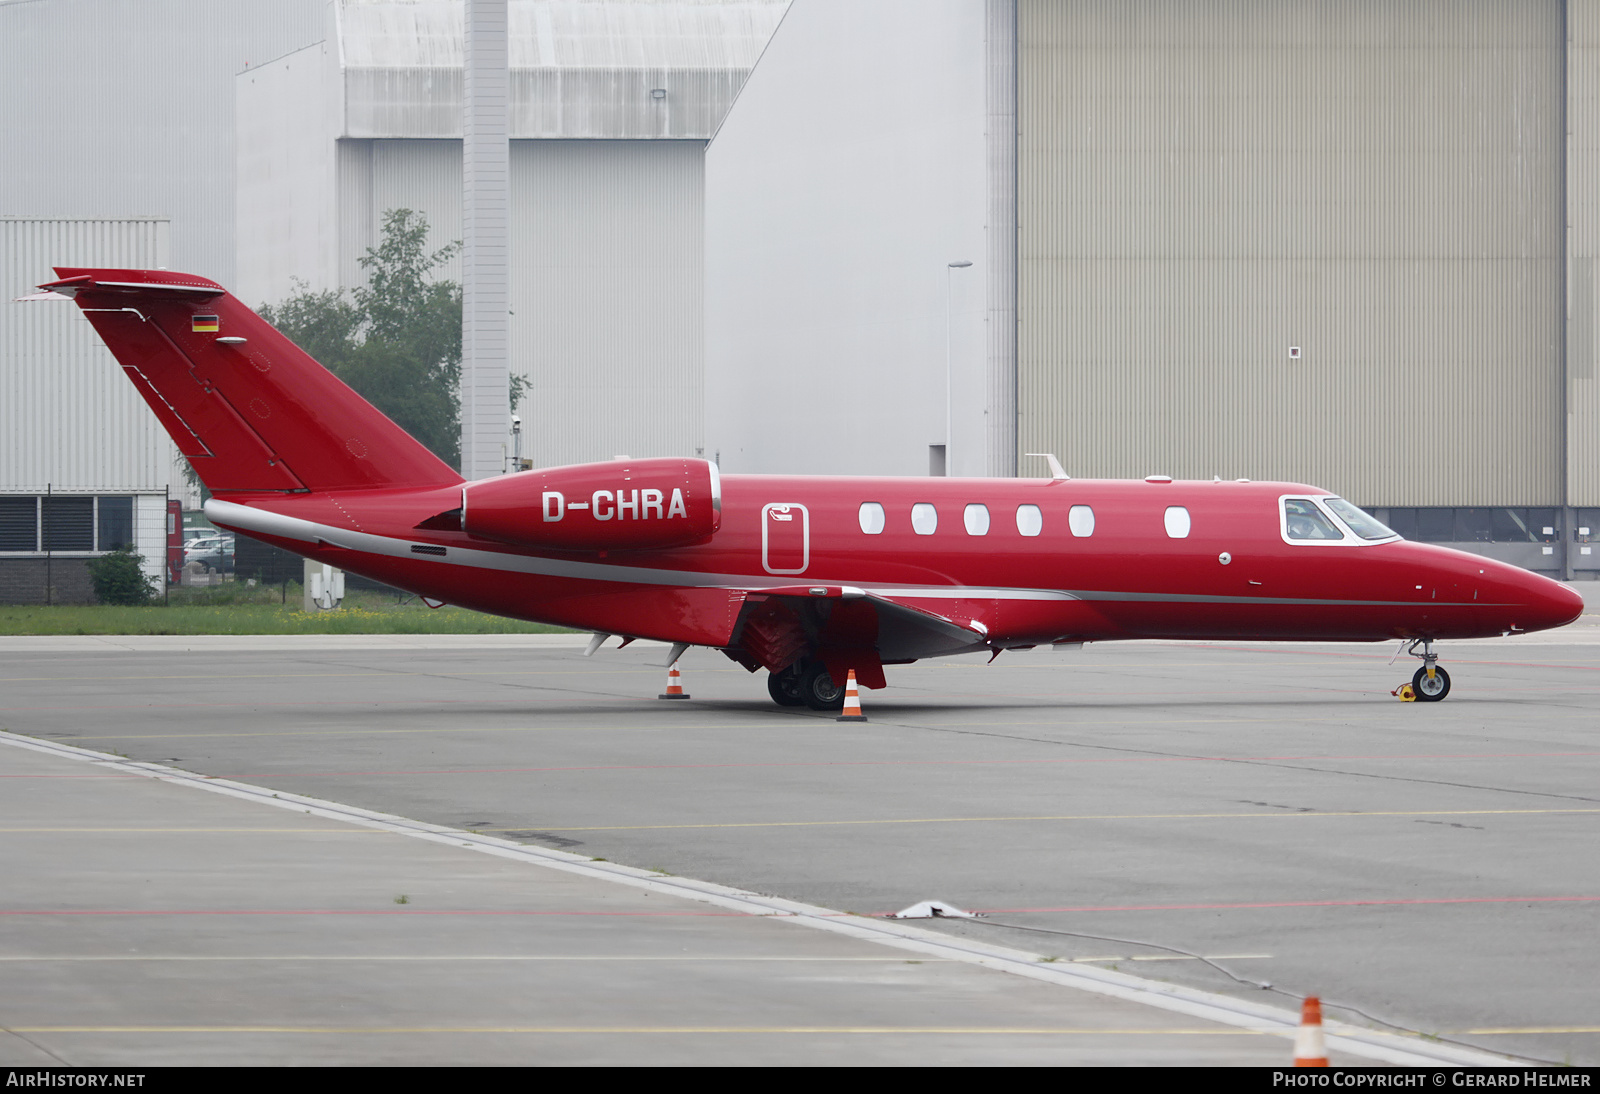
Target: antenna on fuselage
[[1057, 472]]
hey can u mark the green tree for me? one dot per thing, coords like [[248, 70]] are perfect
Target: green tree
[[397, 339], [119, 578]]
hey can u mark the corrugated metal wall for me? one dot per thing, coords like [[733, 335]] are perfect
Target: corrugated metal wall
[[69, 419], [1583, 203], [1000, 141], [606, 281], [1204, 185]]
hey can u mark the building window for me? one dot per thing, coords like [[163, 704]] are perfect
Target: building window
[[114, 526], [977, 520], [65, 522], [870, 516], [1462, 524], [19, 524], [1587, 529], [1080, 519], [1030, 521], [924, 519], [68, 523]]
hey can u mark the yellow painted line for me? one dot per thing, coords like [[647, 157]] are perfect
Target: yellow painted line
[[1523, 1029], [809, 824], [348, 831], [1087, 1031], [53, 958], [470, 957], [1174, 957], [1056, 817], [337, 732]]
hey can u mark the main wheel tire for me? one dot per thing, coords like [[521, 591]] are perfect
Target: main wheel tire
[[1430, 691], [784, 687], [818, 690]]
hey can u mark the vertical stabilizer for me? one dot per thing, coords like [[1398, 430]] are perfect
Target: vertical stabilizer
[[251, 410]]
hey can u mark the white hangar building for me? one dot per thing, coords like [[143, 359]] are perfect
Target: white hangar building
[[611, 107], [261, 141], [118, 138], [1344, 243]]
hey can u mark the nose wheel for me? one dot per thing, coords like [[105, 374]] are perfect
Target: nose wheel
[[1430, 689], [1430, 683]]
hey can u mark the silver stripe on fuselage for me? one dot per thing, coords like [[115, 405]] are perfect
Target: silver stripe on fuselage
[[250, 519]]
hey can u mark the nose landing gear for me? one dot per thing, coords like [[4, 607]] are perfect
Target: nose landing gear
[[1430, 683]]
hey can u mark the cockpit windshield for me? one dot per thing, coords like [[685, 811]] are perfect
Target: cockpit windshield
[[1303, 520], [1360, 522]]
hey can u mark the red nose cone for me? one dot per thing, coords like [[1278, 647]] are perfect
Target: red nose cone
[[1539, 604], [1558, 606]]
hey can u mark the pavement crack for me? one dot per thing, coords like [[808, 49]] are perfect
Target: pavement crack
[[30, 1041]]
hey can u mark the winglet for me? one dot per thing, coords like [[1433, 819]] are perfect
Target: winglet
[[1057, 472]]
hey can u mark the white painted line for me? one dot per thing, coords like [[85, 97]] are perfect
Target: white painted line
[[1208, 1006]]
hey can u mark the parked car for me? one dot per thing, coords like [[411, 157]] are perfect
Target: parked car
[[213, 552]]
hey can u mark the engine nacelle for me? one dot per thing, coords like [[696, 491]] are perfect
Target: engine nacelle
[[620, 505]]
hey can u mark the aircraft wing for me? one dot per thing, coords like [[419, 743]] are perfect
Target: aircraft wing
[[776, 625]]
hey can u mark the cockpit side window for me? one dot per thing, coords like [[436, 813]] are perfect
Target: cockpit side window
[[1303, 520], [1361, 522]]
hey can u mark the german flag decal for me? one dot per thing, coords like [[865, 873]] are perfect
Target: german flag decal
[[203, 324]]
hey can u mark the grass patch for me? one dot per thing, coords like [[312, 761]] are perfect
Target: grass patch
[[242, 609]]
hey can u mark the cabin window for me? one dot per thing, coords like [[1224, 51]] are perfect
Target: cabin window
[[871, 517], [1304, 521], [1080, 518], [1177, 520], [1030, 521], [977, 520], [924, 519], [1359, 521]]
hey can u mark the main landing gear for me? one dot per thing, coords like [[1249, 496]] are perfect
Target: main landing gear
[[1431, 683], [805, 683]]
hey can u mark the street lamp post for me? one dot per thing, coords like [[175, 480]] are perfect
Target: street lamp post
[[949, 324]]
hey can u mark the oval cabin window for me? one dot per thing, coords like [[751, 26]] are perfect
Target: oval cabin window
[[924, 519], [977, 520], [1080, 518], [1177, 522], [1030, 521], [871, 517]]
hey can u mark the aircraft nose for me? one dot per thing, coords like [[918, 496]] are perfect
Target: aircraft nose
[[1547, 603]]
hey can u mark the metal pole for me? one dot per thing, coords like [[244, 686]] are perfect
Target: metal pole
[[949, 324], [485, 174]]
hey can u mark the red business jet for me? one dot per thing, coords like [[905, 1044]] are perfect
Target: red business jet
[[805, 577]]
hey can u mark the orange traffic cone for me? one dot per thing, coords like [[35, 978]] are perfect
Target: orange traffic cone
[[1309, 1049], [674, 684], [852, 701]]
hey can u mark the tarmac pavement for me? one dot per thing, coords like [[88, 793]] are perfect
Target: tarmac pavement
[[1119, 810]]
